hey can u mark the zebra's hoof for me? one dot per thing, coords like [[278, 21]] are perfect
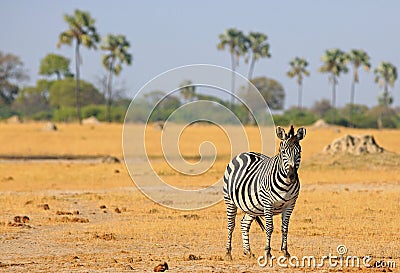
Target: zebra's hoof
[[267, 253], [286, 253], [249, 255], [228, 257]]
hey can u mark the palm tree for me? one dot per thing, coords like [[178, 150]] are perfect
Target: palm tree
[[116, 47], [334, 63], [298, 69], [187, 90], [358, 58], [385, 75], [259, 49], [237, 44], [83, 32]]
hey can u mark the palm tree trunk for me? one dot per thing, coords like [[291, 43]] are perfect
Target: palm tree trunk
[[251, 68], [386, 96], [299, 105], [353, 88], [385, 107], [333, 98], [109, 91], [77, 83], [233, 80]]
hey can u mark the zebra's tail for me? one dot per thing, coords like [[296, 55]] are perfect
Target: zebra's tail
[[260, 222]]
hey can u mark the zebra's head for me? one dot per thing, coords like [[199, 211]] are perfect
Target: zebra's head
[[290, 150]]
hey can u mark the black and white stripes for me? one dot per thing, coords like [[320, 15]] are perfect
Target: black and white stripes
[[263, 186]]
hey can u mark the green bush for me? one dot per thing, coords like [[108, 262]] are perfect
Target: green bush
[[281, 120], [164, 109], [118, 113], [396, 120], [62, 93], [43, 115], [65, 114], [97, 111], [299, 117], [365, 121], [333, 116], [140, 114], [68, 114], [241, 113], [389, 118], [6, 111]]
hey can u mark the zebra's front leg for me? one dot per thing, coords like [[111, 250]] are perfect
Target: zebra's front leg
[[269, 228], [245, 227], [285, 228], [231, 211]]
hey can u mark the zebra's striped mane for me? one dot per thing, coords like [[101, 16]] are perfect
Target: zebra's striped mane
[[291, 132], [291, 137]]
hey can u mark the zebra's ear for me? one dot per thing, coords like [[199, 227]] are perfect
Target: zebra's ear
[[280, 133], [301, 133]]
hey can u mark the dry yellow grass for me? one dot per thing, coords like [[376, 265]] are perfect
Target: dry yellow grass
[[100, 139], [354, 205], [69, 139]]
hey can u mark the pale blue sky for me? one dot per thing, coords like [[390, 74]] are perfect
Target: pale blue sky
[[167, 34]]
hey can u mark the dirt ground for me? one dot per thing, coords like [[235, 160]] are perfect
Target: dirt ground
[[90, 217]]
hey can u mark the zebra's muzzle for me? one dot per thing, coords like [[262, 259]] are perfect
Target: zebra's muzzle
[[292, 174]]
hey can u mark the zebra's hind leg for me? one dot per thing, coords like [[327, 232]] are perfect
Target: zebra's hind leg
[[231, 211], [245, 227]]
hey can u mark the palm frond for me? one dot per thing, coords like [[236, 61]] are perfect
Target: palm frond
[[64, 38], [298, 69], [117, 47]]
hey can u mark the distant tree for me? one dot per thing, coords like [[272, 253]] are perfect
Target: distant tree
[[357, 112], [258, 48], [271, 90], [212, 98], [334, 63], [31, 100], [321, 107], [118, 90], [237, 44], [154, 97], [83, 32], [297, 116], [358, 58], [61, 93], [11, 74], [187, 90], [298, 69], [55, 64], [43, 87], [386, 117], [116, 48], [385, 75], [164, 105]]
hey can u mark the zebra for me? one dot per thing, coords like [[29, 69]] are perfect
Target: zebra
[[263, 186]]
